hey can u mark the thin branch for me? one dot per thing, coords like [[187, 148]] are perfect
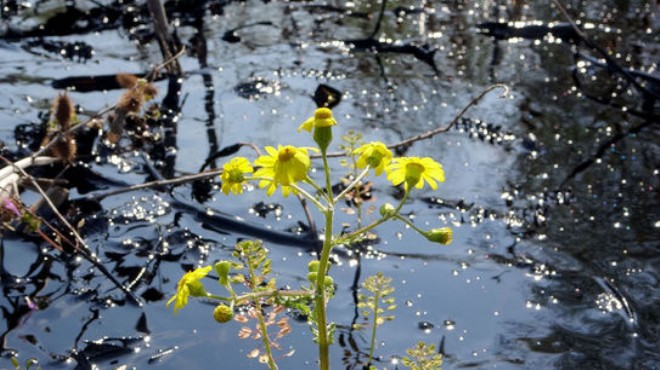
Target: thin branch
[[161, 29], [156, 184], [167, 62], [439, 130], [308, 214]]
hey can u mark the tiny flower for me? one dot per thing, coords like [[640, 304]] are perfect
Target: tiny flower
[[375, 155], [442, 235], [283, 167], [414, 171], [189, 285], [233, 175], [223, 313], [321, 123], [10, 206], [322, 118]]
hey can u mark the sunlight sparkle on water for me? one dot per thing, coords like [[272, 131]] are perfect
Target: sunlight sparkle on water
[[533, 305], [607, 302]]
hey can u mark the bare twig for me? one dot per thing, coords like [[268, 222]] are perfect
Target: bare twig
[[156, 184], [156, 69], [308, 214], [161, 28], [439, 130], [253, 146]]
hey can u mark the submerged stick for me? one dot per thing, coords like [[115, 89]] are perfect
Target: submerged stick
[[161, 28]]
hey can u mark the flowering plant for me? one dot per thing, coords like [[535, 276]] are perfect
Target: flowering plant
[[287, 168]]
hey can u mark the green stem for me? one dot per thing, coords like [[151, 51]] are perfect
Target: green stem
[[352, 184], [358, 191], [409, 223], [320, 297], [328, 182], [309, 197], [218, 297], [374, 327], [348, 237], [264, 332], [301, 190], [262, 294], [262, 323], [320, 190]]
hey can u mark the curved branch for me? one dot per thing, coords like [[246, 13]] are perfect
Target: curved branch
[[430, 134]]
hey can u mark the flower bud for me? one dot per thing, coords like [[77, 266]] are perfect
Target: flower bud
[[328, 281], [222, 269], [11, 207], [313, 266], [387, 210], [312, 277], [223, 313], [442, 235]]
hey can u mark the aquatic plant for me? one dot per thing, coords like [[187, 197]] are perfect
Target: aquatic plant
[[421, 357], [376, 305], [287, 168]]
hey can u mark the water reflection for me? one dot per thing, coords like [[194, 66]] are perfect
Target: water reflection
[[552, 192]]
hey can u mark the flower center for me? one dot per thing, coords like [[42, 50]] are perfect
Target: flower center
[[413, 172], [374, 159], [323, 113], [236, 175], [286, 154]]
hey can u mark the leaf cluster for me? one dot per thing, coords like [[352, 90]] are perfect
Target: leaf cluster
[[379, 301], [422, 357], [255, 257]]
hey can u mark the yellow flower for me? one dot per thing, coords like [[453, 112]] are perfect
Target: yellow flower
[[189, 285], [414, 171], [283, 167], [233, 175], [322, 118], [375, 154]]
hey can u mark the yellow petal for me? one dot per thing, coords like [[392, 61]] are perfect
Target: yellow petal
[[307, 125], [431, 182]]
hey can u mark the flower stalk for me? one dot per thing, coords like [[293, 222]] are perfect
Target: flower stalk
[[320, 296]]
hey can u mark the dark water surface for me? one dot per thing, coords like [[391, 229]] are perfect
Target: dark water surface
[[552, 192]]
